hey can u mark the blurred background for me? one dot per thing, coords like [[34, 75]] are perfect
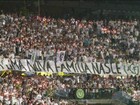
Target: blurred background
[[127, 9]]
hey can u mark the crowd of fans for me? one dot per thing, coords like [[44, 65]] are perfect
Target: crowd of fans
[[83, 40], [19, 90], [40, 90], [106, 41]]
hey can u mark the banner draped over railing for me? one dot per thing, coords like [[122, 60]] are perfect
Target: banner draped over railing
[[70, 67]]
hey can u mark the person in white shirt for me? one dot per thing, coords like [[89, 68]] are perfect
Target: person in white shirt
[[11, 55], [14, 101]]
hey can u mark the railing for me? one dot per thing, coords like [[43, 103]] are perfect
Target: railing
[[94, 94], [88, 93]]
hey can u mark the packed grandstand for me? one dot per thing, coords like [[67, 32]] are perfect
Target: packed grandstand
[[81, 41], [57, 61]]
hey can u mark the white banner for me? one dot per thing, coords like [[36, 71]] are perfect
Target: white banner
[[70, 67], [60, 56]]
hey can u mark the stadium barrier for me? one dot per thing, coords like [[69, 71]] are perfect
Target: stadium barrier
[[94, 94]]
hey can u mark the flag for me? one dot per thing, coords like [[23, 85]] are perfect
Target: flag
[[33, 56], [60, 56]]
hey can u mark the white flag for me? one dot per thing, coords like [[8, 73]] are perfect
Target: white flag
[[60, 56], [33, 56]]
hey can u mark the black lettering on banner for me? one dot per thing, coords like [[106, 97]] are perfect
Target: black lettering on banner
[[102, 68], [35, 67], [125, 70], [95, 68], [133, 69], [1, 66], [74, 67], [64, 67], [11, 65], [44, 65], [77, 67], [30, 67], [83, 68], [118, 68], [21, 66], [70, 66], [112, 69], [16, 64], [49, 67], [40, 67], [107, 68], [2, 61], [87, 68], [57, 67], [136, 70]]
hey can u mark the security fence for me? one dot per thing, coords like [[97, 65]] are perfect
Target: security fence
[[88, 94]]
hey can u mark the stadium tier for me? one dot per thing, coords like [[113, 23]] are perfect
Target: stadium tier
[[69, 52]]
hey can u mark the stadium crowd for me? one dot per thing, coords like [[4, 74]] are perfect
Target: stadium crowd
[[40, 90], [82, 40]]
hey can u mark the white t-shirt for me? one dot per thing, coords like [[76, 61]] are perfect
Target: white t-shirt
[[20, 100], [38, 97], [12, 56], [1, 98], [14, 100], [7, 101], [55, 103]]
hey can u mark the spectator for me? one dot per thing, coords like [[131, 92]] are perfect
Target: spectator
[[21, 36]]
